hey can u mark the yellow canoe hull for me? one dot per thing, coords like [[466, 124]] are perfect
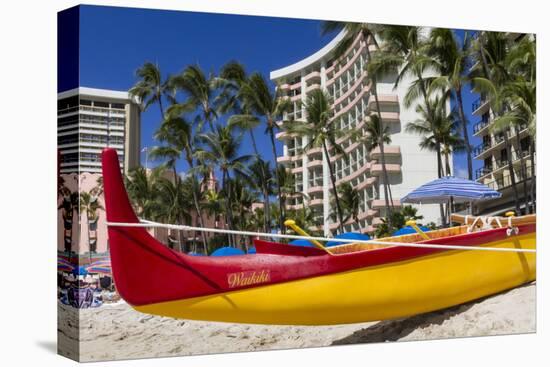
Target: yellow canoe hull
[[373, 293]]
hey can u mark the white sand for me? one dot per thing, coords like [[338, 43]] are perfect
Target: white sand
[[119, 332]]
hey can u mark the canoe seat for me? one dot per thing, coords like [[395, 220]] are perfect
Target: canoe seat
[[408, 238]]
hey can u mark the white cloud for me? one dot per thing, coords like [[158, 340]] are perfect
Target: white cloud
[[461, 172]]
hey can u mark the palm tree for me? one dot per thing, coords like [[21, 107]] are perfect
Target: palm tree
[[193, 192], [374, 138], [304, 218], [269, 106], [221, 148], [235, 77], [177, 133], [150, 88], [242, 200], [142, 191], [495, 75], [286, 182], [173, 204], [410, 213], [368, 32], [453, 65], [201, 92], [68, 206], [521, 95], [349, 199], [438, 128], [90, 205], [262, 179], [322, 133], [214, 205]]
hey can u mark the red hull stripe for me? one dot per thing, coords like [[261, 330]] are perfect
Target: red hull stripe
[[146, 271]]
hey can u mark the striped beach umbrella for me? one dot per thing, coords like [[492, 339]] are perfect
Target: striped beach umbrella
[[64, 265], [449, 188], [100, 267]]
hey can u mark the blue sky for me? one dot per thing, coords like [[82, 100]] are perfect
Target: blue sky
[[114, 42]]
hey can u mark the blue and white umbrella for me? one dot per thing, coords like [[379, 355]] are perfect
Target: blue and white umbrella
[[452, 188]]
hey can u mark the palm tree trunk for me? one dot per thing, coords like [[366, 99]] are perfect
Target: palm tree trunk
[[439, 175], [387, 193], [523, 170], [511, 170], [229, 209], [464, 124], [447, 164], [533, 207], [159, 97], [264, 184], [281, 202], [333, 181], [197, 206]]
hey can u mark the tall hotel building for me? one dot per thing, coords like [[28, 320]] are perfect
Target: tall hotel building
[[492, 151], [89, 120], [352, 101]]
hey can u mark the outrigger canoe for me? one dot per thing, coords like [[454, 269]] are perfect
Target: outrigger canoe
[[290, 285]]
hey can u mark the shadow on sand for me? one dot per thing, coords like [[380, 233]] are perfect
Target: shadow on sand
[[393, 330]]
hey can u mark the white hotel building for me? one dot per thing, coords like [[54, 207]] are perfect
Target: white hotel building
[[89, 120], [344, 79]]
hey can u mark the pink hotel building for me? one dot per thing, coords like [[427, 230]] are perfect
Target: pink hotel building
[[345, 81]]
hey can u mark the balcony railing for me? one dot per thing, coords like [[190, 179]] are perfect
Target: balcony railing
[[479, 102], [500, 163], [68, 110], [480, 172], [480, 126], [506, 181], [481, 148]]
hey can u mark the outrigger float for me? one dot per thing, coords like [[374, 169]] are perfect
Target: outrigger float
[[289, 285]]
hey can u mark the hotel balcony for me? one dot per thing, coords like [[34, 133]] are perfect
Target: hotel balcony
[[315, 189], [312, 87], [316, 202], [381, 203], [390, 117], [284, 159], [315, 163], [354, 173], [69, 110], [480, 106], [383, 100], [505, 181], [348, 89], [368, 182], [497, 140], [284, 87], [296, 97], [314, 75], [296, 85], [298, 115], [483, 171], [315, 151], [391, 168], [480, 127], [389, 150], [297, 169], [500, 165]]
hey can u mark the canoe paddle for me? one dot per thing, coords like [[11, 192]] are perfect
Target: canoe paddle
[[292, 224]]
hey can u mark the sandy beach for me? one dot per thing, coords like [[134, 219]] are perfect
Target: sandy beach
[[116, 331]]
